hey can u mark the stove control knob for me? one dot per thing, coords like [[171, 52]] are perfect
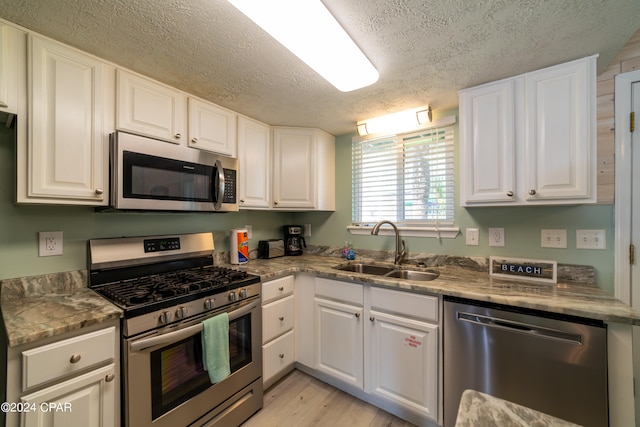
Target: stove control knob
[[243, 293], [232, 296], [209, 304], [181, 313], [164, 317]]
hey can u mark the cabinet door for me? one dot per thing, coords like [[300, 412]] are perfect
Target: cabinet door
[[67, 151], [254, 162], [212, 128], [560, 142], [404, 362], [88, 400], [9, 69], [146, 107], [339, 341], [294, 168], [487, 140]]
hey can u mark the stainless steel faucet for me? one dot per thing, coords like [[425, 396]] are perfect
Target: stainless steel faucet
[[399, 255]]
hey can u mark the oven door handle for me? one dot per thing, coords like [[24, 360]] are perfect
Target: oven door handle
[[186, 332]]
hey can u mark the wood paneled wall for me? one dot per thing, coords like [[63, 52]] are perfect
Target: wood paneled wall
[[628, 59]]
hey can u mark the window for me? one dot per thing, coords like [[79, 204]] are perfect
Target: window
[[407, 179]]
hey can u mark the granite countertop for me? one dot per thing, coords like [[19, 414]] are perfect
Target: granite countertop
[[42, 306], [460, 277], [38, 307], [479, 409]]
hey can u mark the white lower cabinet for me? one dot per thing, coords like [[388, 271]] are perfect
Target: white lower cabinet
[[339, 340], [86, 401], [403, 350], [379, 344], [70, 381], [278, 318]]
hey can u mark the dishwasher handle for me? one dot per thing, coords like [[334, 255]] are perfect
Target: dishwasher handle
[[525, 328]]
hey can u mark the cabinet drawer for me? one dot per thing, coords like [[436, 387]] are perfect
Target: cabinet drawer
[[339, 291], [62, 358], [277, 318], [407, 304], [277, 288], [277, 355]]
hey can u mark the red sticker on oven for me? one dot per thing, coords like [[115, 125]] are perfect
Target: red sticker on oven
[[412, 341]]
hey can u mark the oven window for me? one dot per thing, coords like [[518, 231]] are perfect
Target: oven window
[[177, 371]]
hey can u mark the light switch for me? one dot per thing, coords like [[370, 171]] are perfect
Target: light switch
[[553, 239], [591, 239]]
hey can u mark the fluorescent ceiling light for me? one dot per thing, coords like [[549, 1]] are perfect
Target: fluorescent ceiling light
[[309, 31], [402, 121]]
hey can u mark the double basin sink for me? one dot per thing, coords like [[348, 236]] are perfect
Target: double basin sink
[[391, 272]]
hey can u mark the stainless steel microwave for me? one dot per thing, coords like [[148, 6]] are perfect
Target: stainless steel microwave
[[148, 174]]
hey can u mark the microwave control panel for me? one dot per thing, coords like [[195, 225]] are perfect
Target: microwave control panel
[[229, 186]]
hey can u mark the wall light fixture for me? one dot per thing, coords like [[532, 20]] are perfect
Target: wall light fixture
[[310, 32], [402, 121]]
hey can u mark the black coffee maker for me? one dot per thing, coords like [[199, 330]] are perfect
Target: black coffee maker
[[293, 240]]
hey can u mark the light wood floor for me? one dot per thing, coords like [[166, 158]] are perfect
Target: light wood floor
[[299, 400]]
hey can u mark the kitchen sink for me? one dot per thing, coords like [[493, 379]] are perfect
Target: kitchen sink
[[413, 274], [392, 272], [378, 270]]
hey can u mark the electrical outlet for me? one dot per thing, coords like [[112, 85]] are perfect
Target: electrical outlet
[[249, 231], [553, 239], [473, 236], [50, 243], [307, 230], [591, 239], [496, 237]]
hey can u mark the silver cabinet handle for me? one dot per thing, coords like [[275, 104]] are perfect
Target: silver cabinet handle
[[357, 315], [372, 318], [510, 193], [75, 358], [281, 318], [178, 136], [275, 203], [281, 288], [194, 140], [281, 356], [109, 378], [532, 192], [99, 191]]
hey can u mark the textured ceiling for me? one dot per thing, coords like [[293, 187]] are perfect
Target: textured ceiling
[[424, 50]]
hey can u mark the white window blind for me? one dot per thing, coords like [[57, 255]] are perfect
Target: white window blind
[[407, 179]]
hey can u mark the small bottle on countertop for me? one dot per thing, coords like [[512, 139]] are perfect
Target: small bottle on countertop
[[347, 251]]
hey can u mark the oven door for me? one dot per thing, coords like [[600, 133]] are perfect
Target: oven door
[[165, 383]]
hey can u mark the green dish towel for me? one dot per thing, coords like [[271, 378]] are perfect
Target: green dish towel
[[215, 347]]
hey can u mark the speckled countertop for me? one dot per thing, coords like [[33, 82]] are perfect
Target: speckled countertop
[[469, 278], [38, 307]]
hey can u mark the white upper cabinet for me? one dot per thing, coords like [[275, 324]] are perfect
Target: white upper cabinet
[[254, 160], [530, 139], [66, 155], [488, 159], [212, 128], [303, 169], [561, 134], [9, 68], [149, 108]]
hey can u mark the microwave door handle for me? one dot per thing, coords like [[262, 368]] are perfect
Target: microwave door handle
[[219, 188], [186, 332]]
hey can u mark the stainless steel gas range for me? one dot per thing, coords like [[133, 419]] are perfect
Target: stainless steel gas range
[[168, 286]]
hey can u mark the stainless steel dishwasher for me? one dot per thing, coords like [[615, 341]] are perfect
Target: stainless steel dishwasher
[[556, 365]]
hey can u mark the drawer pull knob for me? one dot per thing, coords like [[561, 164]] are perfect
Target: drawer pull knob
[[281, 318], [357, 315], [532, 192], [281, 356], [194, 140], [372, 318], [109, 378], [510, 193], [99, 191], [75, 358], [281, 288], [178, 136]]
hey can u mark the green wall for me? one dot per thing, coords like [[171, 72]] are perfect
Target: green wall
[[521, 224], [21, 223]]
